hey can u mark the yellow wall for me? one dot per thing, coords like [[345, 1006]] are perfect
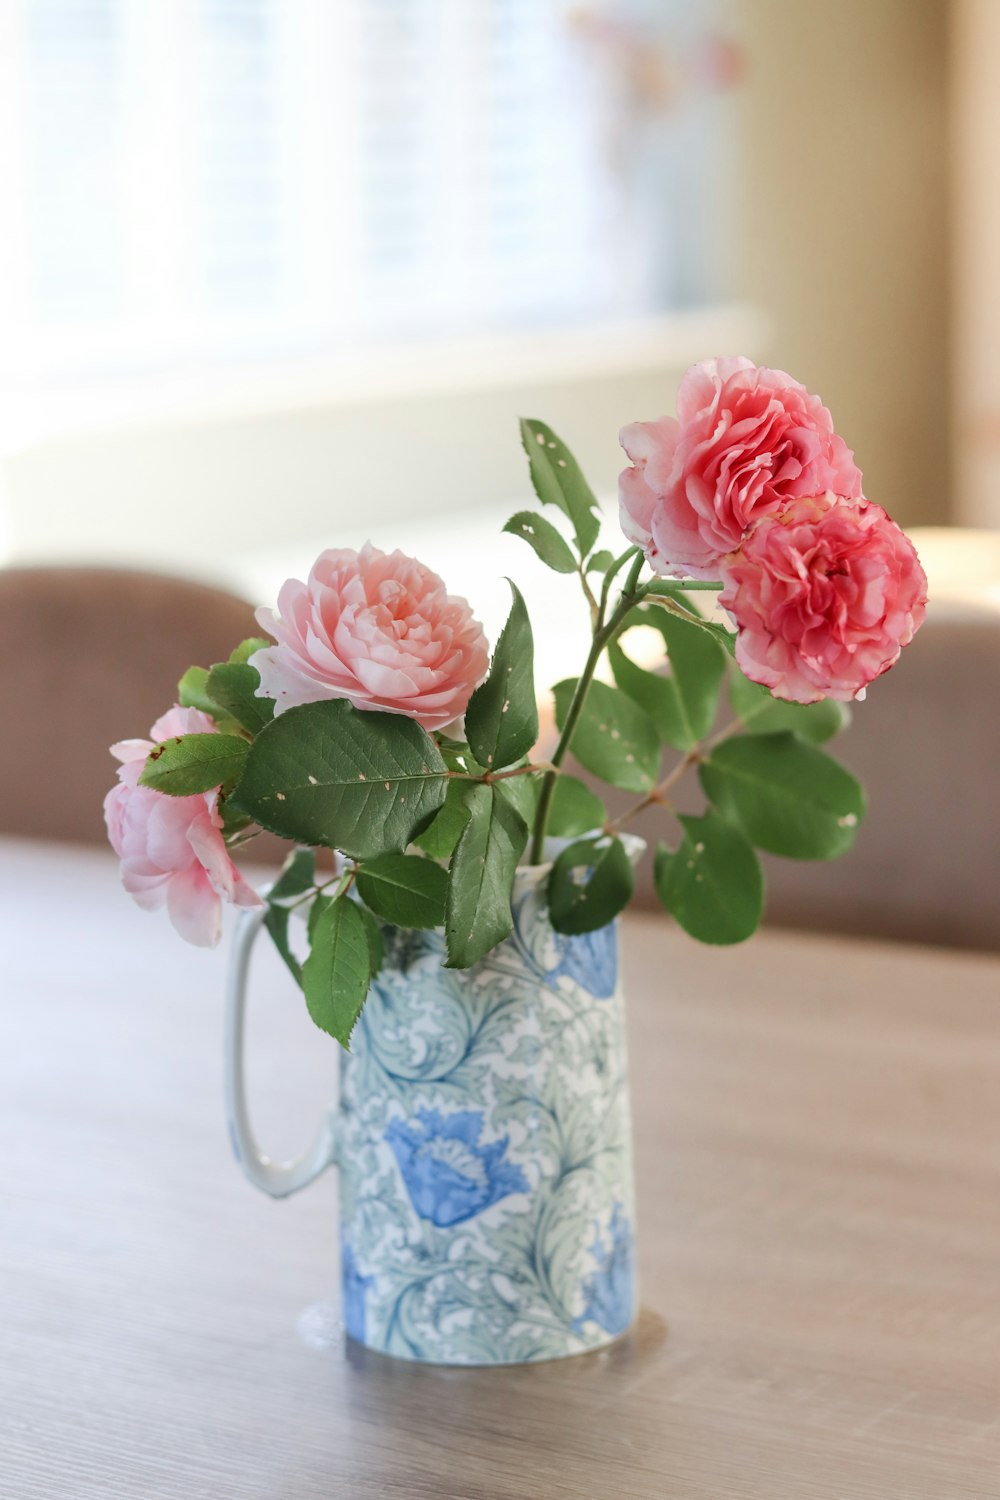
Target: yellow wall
[[842, 198], [975, 72]]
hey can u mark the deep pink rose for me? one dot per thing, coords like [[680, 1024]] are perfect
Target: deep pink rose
[[747, 440], [825, 594], [170, 847], [379, 630]]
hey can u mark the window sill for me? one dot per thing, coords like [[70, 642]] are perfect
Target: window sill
[[383, 373]]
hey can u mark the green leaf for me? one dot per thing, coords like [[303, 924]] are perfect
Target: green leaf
[[376, 942], [297, 876], [684, 704], [761, 713], [522, 794], [697, 667], [558, 480], [443, 833], [405, 890], [614, 737], [713, 885], [481, 876], [788, 797], [192, 690], [319, 904], [589, 884], [600, 562], [574, 809], [193, 763], [501, 721], [337, 973], [326, 773], [234, 688], [656, 694], [668, 605], [246, 649], [232, 821], [548, 543]]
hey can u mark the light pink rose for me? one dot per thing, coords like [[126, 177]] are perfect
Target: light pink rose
[[379, 630], [747, 440], [825, 594], [171, 848]]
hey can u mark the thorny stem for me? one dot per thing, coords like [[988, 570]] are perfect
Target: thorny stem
[[239, 839], [488, 776], [538, 765], [588, 593], [658, 794], [604, 631], [343, 882]]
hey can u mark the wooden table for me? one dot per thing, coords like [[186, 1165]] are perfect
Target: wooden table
[[818, 1140]]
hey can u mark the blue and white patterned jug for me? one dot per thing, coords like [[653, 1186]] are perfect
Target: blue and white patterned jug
[[483, 1140]]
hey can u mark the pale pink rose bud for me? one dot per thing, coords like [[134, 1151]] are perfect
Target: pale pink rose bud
[[171, 848], [379, 630], [825, 595], [747, 440]]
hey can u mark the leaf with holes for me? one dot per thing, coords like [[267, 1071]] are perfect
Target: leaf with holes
[[558, 480], [405, 890], [337, 973], [787, 796], [481, 876], [614, 738], [549, 545], [589, 884], [501, 721], [761, 713], [194, 763], [713, 884], [326, 773]]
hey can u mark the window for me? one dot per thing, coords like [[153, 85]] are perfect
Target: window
[[199, 181]]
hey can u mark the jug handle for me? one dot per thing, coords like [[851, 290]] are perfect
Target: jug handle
[[279, 1179]]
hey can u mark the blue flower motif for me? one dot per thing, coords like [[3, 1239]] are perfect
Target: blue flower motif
[[448, 1175], [352, 1295], [591, 960], [610, 1291]]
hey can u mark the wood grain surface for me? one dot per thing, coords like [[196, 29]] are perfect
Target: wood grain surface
[[818, 1152]]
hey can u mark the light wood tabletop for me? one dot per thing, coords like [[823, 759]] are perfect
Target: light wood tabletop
[[818, 1156]]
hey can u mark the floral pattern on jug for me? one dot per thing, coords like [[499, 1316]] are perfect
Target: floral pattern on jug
[[485, 1152]]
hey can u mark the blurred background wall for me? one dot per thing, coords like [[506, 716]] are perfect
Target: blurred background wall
[[540, 207], [844, 227]]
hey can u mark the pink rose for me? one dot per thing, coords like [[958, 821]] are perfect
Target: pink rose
[[747, 441], [377, 629], [170, 847], [825, 594]]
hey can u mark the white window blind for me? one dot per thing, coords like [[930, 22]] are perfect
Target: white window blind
[[190, 181]]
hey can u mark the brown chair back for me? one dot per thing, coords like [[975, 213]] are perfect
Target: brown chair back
[[89, 656]]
